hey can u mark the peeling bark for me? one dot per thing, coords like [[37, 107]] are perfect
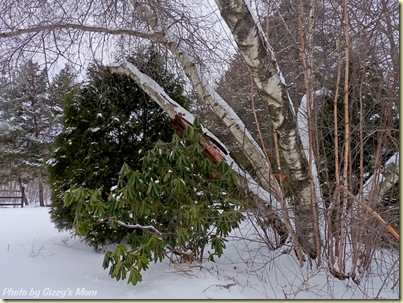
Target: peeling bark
[[259, 56], [266, 179], [209, 151], [214, 149], [211, 98]]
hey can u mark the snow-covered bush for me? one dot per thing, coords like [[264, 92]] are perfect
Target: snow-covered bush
[[176, 205], [109, 121]]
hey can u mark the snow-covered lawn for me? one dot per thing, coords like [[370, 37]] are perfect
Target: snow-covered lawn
[[37, 261]]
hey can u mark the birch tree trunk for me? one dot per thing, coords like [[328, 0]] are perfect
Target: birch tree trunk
[[260, 196], [211, 98], [377, 187], [260, 58], [269, 197], [158, 21]]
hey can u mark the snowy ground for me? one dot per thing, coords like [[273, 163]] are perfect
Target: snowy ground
[[37, 261]]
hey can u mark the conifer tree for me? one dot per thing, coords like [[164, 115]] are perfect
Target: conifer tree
[[28, 117], [111, 121], [62, 88]]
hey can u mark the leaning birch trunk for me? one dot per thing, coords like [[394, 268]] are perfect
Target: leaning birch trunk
[[217, 104], [211, 98], [271, 86], [260, 196]]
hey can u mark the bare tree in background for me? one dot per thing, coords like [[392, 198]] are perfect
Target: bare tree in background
[[304, 59]]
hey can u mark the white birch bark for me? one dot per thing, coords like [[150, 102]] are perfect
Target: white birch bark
[[265, 200], [270, 83], [303, 130], [211, 98], [386, 179], [172, 108]]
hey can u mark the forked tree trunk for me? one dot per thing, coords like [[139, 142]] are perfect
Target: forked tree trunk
[[271, 87], [260, 58]]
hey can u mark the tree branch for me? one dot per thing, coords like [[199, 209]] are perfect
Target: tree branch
[[372, 212], [173, 109], [263, 198], [87, 28], [138, 226], [386, 179], [215, 102]]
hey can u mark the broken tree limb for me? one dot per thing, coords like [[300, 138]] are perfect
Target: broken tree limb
[[214, 148], [209, 151], [211, 98]]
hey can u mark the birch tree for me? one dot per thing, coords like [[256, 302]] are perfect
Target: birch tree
[[283, 183]]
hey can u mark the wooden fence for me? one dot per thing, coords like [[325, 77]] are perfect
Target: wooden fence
[[6, 195]]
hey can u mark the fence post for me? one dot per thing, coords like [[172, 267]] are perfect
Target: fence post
[[22, 196]]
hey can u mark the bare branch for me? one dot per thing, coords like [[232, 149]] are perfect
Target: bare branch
[[96, 29], [372, 212]]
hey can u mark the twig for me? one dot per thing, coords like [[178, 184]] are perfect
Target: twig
[[37, 252], [221, 285], [373, 213], [384, 281], [138, 226]]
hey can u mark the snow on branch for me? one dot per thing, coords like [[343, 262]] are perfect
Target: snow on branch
[[157, 93], [303, 129], [385, 180], [272, 88], [173, 109], [138, 226], [210, 97], [86, 28], [152, 88]]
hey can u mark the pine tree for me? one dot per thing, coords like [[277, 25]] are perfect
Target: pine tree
[[27, 120], [5, 87], [63, 87], [111, 121]]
